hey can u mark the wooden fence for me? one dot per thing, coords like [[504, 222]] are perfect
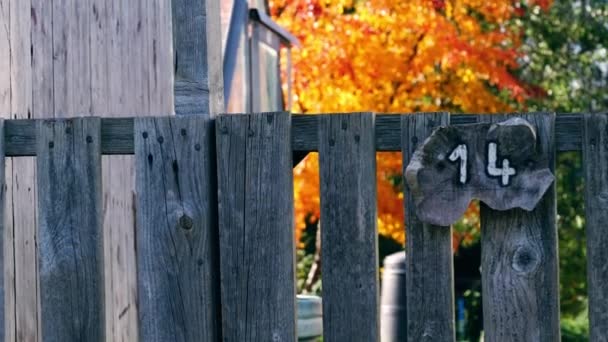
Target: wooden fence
[[237, 283]]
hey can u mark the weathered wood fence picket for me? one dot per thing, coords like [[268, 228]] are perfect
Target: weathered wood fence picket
[[215, 260]]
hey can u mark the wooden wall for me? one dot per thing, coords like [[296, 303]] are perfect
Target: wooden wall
[[80, 58]]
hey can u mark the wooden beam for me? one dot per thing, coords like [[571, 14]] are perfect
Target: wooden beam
[[117, 134], [199, 82]]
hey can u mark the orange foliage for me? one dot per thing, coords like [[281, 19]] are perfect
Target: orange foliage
[[398, 56]]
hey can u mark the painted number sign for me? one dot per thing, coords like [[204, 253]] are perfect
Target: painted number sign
[[496, 163]]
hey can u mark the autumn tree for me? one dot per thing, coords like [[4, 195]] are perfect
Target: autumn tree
[[399, 57]]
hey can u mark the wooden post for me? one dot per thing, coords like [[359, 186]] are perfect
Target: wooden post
[[198, 89], [429, 261], [199, 82], [595, 161], [70, 232], [177, 262], [519, 259], [349, 237], [257, 255], [80, 58]]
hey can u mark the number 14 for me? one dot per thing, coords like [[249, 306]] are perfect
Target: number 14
[[505, 172]]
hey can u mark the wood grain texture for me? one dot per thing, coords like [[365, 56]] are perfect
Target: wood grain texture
[[388, 135], [347, 159], [429, 262], [3, 312], [595, 161], [70, 232], [199, 83], [117, 133], [21, 220], [255, 186], [519, 258], [452, 168], [73, 58], [177, 260], [8, 268]]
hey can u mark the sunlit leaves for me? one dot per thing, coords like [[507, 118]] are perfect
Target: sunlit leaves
[[399, 56]]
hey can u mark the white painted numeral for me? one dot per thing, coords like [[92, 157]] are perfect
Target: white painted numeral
[[460, 152], [505, 171]]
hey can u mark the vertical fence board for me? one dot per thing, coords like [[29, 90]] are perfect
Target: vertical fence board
[[70, 231], [519, 258], [2, 227], [347, 157], [256, 227], [176, 229], [429, 262], [595, 161]]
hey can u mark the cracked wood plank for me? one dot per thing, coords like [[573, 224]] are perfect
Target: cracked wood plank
[[519, 259], [70, 232], [349, 236], [255, 181], [177, 259], [429, 263]]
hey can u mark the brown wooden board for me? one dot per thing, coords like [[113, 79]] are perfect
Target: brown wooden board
[[519, 260], [429, 262], [497, 164], [595, 161], [70, 230], [349, 244], [178, 267], [255, 184]]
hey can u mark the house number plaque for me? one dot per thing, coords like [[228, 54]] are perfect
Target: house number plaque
[[499, 164]]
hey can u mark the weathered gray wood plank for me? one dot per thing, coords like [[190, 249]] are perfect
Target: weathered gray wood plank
[[178, 278], [255, 189], [21, 220], [459, 163], [8, 321], [430, 266], [117, 134], [3, 308], [70, 230], [349, 244], [520, 260], [595, 161], [199, 83]]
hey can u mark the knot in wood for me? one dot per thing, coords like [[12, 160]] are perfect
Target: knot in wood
[[525, 259], [186, 222]]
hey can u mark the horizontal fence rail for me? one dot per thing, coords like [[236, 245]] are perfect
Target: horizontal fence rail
[[117, 133], [215, 243]]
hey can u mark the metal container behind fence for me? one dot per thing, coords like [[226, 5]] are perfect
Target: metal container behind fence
[[393, 310], [310, 318]]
